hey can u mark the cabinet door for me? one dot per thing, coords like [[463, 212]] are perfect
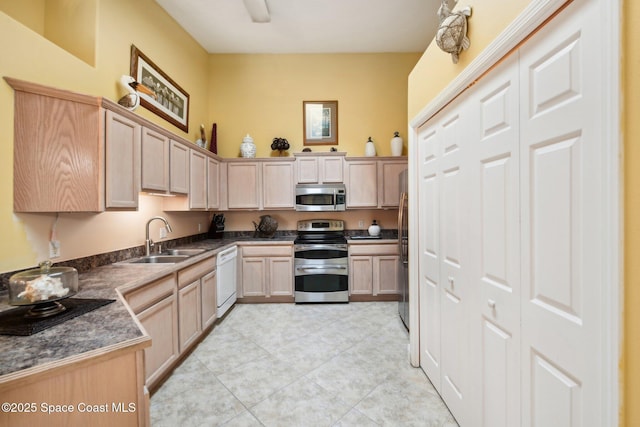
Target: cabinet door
[[179, 168], [208, 287], [213, 183], [332, 169], [277, 185], [198, 181], [362, 183], [361, 275], [308, 170], [281, 276], [243, 185], [254, 276], [389, 183], [161, 323], [385, 274], [189, 314], [155, 161], [122, 162]]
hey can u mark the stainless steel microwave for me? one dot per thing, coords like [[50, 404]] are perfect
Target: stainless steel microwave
[[321, 197]]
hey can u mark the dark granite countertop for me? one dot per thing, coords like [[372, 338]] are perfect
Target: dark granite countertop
[[111, 325]]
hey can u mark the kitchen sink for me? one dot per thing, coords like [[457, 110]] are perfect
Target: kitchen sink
[[180, 252], [158, 259]]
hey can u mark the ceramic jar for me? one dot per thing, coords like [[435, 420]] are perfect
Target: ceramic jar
[[396, 144], [374, 229], [369, 148], [248, 148]]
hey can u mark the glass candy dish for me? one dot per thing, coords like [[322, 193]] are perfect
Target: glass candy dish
[[42, 288]]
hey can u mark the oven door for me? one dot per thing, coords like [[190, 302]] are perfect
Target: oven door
[[321, 280]]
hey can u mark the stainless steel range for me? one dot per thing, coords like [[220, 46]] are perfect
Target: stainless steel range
[[321, 262]]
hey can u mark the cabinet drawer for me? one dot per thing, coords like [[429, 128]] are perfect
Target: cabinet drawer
[[151, 293], [194, 272], [270, 251], [389, 249]]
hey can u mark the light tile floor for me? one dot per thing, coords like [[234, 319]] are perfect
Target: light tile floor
[[301, 365]]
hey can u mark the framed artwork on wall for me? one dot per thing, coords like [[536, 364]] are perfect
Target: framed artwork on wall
[[320, 122], [172, 102]]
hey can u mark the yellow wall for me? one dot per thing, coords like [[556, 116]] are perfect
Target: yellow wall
[[435, 71], [29, 56], [263, 94], [631, 132]]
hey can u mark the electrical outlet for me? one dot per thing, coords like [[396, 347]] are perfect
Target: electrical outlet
[[199, 227], [361, 223], [54, 249], [163, 232]]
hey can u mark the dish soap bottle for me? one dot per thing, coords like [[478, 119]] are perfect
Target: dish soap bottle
[[374, 229]]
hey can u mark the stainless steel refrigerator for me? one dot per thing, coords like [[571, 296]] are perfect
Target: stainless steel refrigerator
[[403, 246]]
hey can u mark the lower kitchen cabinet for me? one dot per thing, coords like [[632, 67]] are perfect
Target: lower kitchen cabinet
[[208, 306], [156, 307], [266, 271], [189, 314], [373, 269]]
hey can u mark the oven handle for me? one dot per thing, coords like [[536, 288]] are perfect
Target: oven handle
[[321, 267], [298, 248]]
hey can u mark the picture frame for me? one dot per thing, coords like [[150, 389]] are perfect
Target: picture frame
[[172, 102], [320, 122]]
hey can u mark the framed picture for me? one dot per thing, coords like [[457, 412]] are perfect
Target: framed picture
[[320, 122], [172, 102]]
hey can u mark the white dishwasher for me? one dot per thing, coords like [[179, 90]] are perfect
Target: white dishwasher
[[226, 283]]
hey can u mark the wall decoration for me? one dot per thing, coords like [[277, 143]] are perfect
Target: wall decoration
[[320, 122], [172, 102], [451, 36]]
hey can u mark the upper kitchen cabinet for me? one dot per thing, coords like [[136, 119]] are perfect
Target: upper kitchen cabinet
[[278, 184], [155, 161], [318, 168], [73, 152], [373, 182], [179, 161], [260, 184]]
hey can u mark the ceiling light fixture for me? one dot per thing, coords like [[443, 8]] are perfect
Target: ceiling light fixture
[[258, 10]]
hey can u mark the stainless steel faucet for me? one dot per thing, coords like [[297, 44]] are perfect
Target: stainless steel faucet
[[148, 244]]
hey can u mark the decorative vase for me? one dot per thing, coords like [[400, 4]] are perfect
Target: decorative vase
[[374, 229], [247, 148], [396, 144], [369, 148]]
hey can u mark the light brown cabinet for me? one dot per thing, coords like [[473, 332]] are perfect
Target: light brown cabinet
[[260, 184], [361, 180], [373, 269], [278, 185], [319, 168], [373, 182], [208, 298], [155, 161], [189, 312], [156, 307], [122, 155], [266, 271], [72, 152], [244, 179], [213, 183], [197, 180], [178, 168]]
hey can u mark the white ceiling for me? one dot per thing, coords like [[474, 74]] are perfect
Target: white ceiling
[[309, 26]]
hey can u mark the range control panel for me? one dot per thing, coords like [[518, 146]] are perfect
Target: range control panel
[[321, 225]]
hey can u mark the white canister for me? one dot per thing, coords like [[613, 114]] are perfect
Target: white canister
[[396, 144], [247, 148], [369, 148], [374, 229]]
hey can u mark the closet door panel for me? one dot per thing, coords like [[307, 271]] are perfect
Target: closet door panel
[[562, 199]]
